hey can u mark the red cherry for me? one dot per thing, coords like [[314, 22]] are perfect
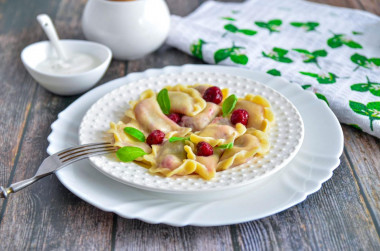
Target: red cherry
[[240, 116], [213, 94], [155, 138], [175, 117], [204, 149]]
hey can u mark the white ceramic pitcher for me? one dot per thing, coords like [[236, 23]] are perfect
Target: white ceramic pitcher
[[131, 29]]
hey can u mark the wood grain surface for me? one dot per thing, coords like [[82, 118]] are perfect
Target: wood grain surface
[[343, 215]]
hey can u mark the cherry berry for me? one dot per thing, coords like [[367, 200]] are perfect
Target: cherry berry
[[156, 137], [213, 94], [240, 116], [204, 149], [175, 117]]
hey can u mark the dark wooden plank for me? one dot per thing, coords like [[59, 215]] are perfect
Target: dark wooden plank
[[334, 218], [46, 215], [363, 153], [17, 88]]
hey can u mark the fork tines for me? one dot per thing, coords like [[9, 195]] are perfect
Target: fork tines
[[84, 151]]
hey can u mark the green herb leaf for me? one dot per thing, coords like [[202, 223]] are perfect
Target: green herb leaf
[[164, 101], [174, 139], [129, 153], [229, 104], [274, 72], [226, 146], [137, 134]]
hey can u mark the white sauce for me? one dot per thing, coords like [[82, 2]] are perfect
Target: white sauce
[[77, 63]]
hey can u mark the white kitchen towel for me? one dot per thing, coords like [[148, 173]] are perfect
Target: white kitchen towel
[[332, 51]]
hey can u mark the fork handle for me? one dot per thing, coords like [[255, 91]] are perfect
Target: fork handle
[[4, 192]]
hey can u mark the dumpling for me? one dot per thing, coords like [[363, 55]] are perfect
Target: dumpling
[[245, 147], [259, 110], [122, 139], [220, 131], [169, 157], [202, 119], [184, 100]]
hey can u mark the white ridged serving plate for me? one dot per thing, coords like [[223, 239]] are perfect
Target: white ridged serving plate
[[313, 164], [285, 135]]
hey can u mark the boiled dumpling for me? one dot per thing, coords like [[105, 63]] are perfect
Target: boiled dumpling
[[202, 119]]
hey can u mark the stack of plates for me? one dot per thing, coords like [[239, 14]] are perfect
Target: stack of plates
[[306, 144]]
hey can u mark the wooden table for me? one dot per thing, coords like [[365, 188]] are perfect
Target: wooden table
[[344, 214]]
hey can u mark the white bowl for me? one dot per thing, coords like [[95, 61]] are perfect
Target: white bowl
[[63, 84]]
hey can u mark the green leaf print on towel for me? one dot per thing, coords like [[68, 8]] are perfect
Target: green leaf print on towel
[[363, 61], [357, 33], [340, 39], [322, 79], [372, 87], [278, 54], [271, 25], [196, 48], [274, 72], [232, 28], [233, 53], [371, 110], [322, 97], [308, 26], [311, 57], [228, 18], [355, 126]]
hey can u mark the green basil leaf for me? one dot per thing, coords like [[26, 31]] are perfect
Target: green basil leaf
[[174, 139], [164, 101], [137, 134], [274, 72], [129, 153], [229, 104], [226, 146]]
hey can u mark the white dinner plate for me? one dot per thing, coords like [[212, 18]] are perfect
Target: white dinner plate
[[285, 136], [314, 163]]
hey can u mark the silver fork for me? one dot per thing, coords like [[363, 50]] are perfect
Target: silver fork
[[57, 161]]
